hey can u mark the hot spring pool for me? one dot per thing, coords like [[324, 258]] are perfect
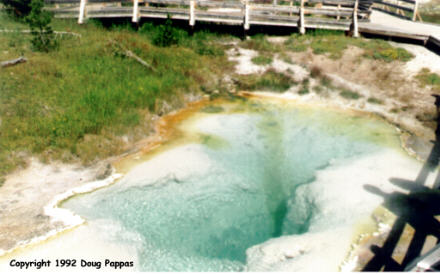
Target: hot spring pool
[[250, 185]]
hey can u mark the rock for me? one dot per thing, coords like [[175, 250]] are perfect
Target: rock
[[104, 171]]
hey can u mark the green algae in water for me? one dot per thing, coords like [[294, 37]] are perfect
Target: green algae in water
[[214, 202]]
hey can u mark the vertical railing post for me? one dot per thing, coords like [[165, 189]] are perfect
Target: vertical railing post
[[355, 19], [416, 7], [339, 16], [246, 15], [291, 6], [135, 18], [192, 7], [302, 27], [82, 11]]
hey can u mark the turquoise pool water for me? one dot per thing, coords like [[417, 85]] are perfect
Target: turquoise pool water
[[200, 205]]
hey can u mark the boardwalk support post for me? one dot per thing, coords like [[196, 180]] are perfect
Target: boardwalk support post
[[302, 27], [135, 11], [192, 17], [339, 16], [416, 12], [246, 15], [290, 5], [355, 20], [82, 11]]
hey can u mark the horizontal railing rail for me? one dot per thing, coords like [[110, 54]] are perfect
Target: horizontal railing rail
[[327, 14], [406, 9]]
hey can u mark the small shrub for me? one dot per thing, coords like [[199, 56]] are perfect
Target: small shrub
[[262, 60], [270, 80], [373, 100], [304, 90], [348, 94], [165, 35], [318, 89], [305, 87], [326, 82], [427, 78], [316, 72], [39, 20]]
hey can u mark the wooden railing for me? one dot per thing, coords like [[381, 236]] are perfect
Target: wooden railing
[[407, 9], [325, 14]]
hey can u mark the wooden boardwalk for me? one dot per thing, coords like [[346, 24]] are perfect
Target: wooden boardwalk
[[301, 14], [357, 16], [392, 26]]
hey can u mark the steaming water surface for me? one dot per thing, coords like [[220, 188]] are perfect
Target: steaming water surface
[[249, 172]]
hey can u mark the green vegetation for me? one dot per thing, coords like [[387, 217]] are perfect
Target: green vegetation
[[166, 35], [201, 42], [83, 100], [374, 100], [39, 20], [259, 43], [428, 78], [270, 80], [430, 11], [305, 87], [349, 94], [333, 44], [262, 60], [431, 17], [387, 53], [326, 82]]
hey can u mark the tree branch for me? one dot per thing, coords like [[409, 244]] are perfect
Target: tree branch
[[12, 62]]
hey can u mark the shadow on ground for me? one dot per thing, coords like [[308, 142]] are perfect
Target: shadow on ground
[[418, 209]]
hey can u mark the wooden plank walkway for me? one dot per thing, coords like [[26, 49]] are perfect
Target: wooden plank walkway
[[356, 16], [302, 14], [392, 26]]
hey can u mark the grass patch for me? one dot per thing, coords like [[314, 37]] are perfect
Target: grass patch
[[259, 43], [428, 78], [387, 53], [318, 89], [270, 80], [333, 44], [349, 94], [430, 17], [262, 60], [374, 100], [305, 87], [80, 101]]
